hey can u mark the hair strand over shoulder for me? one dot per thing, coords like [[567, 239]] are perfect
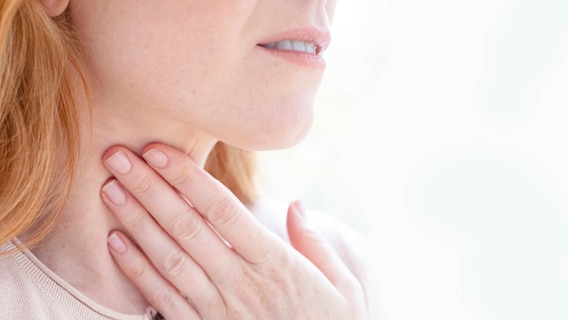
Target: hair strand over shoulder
[[38, 122]]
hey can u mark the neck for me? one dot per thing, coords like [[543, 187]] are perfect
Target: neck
[[77, 248]]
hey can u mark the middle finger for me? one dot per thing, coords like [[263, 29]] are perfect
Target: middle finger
[[165, 254], [172, 212]]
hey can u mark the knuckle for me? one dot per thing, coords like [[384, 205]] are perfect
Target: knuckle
[[187, 227], [164, 298], [277, 262], [222, 211], [137, 270], [269, 255], [132, 221], [284, 258], [174, 264], [141, 183], [182, 174]]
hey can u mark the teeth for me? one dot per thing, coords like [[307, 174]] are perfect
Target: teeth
[[284, 45], [293, 45], [311, 48]]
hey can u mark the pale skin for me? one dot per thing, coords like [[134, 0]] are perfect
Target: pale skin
[[257, 277], [191, 92]]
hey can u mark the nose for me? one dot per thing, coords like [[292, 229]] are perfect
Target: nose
[[330, 6], [325, 11]]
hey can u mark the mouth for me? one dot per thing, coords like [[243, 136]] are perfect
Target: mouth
[[300, 46], [303, 47], [307, 41]]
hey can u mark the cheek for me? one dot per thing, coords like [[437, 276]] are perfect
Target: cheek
[[241, 100], [173, 68], [150, 47]]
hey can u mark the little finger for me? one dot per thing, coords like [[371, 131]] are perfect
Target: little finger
[[165, 254], [159, 292]]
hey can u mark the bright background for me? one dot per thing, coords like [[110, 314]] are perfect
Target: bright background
[[441, 136]]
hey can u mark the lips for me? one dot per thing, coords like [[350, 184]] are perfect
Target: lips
[[306, 41], [302, 47]]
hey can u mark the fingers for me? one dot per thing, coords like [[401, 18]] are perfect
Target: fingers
[[159, 293], [314, 247], [171, 261], [228, 216], [169, 209], [181, 217]]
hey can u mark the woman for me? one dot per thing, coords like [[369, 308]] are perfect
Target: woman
[[85, 79]]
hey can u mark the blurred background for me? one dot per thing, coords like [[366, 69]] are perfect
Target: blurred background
[[441, 136]]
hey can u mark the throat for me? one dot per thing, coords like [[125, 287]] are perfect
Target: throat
[[76, 251]]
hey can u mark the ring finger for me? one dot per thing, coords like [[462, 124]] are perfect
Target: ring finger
[[164, 253], [173, 213], [159, 293]]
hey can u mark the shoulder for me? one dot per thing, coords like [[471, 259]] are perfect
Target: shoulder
[[19, 297], [31, 291]]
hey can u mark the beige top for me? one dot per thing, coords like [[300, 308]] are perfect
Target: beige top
[[31, 291]]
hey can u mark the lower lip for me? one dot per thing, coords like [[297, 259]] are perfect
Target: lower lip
[[303, 59]]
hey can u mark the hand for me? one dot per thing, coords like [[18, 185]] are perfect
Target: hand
[[200, 253]]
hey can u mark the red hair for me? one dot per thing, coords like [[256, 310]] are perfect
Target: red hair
[[39, 124]]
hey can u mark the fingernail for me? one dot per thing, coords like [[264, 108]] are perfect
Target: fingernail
[[115, 193], [299, 206], [156, 158], [119, 162], [116, 243]]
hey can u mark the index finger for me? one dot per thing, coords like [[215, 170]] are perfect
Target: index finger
[[226, 214]]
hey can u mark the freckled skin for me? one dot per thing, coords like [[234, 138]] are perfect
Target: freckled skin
[[197, 63], [179, 75]]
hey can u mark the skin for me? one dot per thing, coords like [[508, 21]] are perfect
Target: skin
[[196, 65], [189, 73], [188, 272]]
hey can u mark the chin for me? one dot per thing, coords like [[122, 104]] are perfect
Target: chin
[[289, 128], [274, 139], [286, 139], [280, 132]]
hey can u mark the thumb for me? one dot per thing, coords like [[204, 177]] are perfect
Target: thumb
[[314, 246]]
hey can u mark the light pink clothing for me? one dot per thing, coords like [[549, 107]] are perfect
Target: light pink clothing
[[30, 291]]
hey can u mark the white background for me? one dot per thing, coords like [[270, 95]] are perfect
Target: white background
[[442, 136]]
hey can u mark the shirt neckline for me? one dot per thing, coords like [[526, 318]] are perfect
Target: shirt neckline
[[42, 274]]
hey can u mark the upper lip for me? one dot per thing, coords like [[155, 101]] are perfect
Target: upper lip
[[319, 38]]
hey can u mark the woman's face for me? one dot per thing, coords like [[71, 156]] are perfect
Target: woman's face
[[210, 64]]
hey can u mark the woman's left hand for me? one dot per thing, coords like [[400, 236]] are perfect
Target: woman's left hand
[[202, 255]]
